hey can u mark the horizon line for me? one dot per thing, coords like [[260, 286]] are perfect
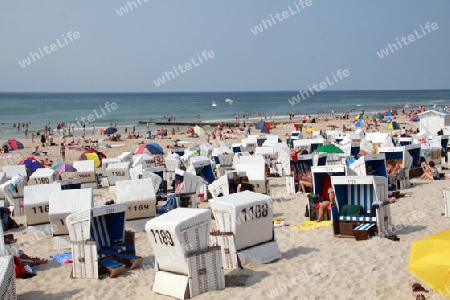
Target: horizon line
[[249, 91]]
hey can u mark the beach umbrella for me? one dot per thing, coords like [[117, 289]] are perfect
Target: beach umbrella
[[329, 149], [429, 261], [311, 129], [260, 124], [94, 155], [378, 116], [31, 163], [101, 130], [388, 114], [360, 123], [198, 130], [13, 144], [142, 149], [110, 130], [393, 126], [305, 117], [154, 148], [63, 168]]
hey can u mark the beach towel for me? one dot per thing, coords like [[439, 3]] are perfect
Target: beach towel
[[352, 211], [63, 258], [310, 225]]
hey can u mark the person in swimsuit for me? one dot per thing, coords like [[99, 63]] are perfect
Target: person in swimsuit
[[331, 200], [244, 185], [430, 173]]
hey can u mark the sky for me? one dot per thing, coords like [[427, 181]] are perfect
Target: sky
[[129, 52]]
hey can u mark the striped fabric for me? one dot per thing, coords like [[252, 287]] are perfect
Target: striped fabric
[[99, 232], [361, 194], [108, 230], [365, 226], [365, 219]]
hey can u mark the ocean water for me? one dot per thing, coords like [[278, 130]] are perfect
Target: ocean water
[[126, 109]]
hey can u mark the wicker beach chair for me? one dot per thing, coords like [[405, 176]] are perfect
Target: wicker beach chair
[[7, 278], [43, 176], [99, 242], [368, 192], [186, 266], [140, 199], [245, 228], [117, 172], [62, 204], [36, 202]]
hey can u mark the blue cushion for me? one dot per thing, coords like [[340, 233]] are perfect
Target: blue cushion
[[110, 263]]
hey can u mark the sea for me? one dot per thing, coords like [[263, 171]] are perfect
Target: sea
[[127, 109]]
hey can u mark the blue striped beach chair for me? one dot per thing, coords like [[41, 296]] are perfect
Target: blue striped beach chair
[[98, 236], [369, 192]]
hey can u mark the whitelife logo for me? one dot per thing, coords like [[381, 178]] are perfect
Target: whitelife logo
[[411, 38], [53, 47], [187, 66], [266, 24]]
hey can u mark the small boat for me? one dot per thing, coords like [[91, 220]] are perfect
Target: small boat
[[230, 102], [214, 103]]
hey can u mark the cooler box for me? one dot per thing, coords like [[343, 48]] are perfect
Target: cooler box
[[248, 215]]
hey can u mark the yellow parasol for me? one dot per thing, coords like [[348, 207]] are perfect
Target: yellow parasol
[[429, 261], [311, 129]]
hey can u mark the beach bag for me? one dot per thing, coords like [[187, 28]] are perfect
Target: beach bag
[[184, 200], [19, 267]]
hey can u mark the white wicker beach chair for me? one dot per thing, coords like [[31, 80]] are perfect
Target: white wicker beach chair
[[369, 192], [12, 171], [36, 202], [219, 187], [126, 157], [193, 185], [245, 221], [169, 173], [145, 160], [118, 172], [97, 234], [7, 278], [108, 161], [14, 198], [186, 266], [86, 172], [43, 176], [62, 204], [254, 168], [140, 199]]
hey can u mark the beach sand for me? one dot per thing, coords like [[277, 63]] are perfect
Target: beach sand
[[315, 265]]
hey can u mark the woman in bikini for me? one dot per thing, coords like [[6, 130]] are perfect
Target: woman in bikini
[[430, 173], [331, 200]]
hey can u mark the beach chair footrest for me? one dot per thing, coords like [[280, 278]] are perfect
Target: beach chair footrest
[[114, 267], [131, 260], [363, 231]]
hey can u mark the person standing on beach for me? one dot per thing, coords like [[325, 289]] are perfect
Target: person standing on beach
[[62, 150], [93, 129]]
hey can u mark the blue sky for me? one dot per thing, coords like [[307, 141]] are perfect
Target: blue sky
[[128, 53]]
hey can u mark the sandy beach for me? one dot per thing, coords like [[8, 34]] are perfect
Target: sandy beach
[[314, 265]]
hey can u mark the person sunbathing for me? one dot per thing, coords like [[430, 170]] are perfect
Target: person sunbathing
[[430, 173], [305, 180], [331, 200]]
